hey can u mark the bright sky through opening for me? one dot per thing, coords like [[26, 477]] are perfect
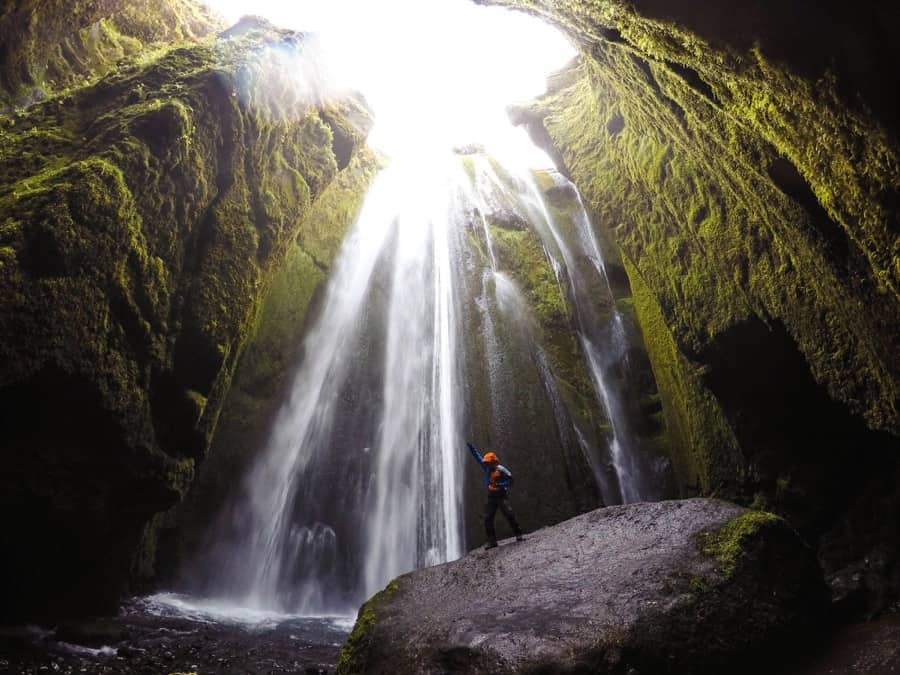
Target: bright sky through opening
[[437, 73]]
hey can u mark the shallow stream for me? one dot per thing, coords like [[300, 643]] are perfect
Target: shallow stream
[[172, 633]]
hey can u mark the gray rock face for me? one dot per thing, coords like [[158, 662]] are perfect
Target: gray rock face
[[694, 586]]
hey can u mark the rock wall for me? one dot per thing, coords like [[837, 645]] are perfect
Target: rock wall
[[47, 46], [745, 162], [142, 220]]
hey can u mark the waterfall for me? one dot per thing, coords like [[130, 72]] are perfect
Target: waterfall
[[603, 340], [415, 519], [421, 337], [358, 480]]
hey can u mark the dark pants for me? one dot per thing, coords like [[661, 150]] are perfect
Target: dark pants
[[494, 502]]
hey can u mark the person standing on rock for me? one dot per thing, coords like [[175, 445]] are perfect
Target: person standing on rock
[[498, 480]]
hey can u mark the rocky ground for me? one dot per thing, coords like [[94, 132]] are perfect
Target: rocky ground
[[871, 648], [151, 638]]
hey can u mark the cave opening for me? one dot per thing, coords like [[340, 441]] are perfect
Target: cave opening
[[426, 93], [808, 458], [520, 338]]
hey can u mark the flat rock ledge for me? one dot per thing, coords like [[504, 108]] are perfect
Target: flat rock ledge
[[691, 586]]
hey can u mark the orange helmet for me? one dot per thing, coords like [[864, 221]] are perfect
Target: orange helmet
[[490, 458]]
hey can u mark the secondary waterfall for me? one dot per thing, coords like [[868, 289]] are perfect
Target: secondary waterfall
[[603, 339], [423, 339]]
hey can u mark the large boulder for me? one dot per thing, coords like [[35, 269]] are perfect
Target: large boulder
[[694, 586]]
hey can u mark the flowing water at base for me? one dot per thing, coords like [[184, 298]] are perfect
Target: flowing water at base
[[173, 633]]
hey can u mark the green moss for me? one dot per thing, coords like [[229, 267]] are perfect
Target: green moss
[[500, 171], [475, 239], [354, 652], [322, 232], [729, 543], [704, 451], [521, 252], [760, 502], [64, 45], [700, 585], [469, 167], [544, 180], [282, 315]]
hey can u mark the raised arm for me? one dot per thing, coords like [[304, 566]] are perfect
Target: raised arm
[[474, 452]]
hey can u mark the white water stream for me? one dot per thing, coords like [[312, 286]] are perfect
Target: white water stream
[[359, 481]]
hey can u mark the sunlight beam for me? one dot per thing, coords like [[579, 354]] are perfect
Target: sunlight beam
[[437, 74]]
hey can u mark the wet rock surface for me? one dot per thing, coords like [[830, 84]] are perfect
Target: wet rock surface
[[46, 47], [689, 586], [143, 639]]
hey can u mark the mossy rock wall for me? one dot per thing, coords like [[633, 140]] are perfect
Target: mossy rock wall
[[47, 46], [141, 220], [745, 162]]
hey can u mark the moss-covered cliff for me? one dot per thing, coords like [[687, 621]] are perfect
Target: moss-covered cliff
[[745, 161], [47, 46], [141, 220]]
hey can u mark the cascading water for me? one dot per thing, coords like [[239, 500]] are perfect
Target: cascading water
[[603, 344], [415, 518], [361, 479], [602, 338]]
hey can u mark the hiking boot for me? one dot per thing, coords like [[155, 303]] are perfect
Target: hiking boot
[[490, 544]]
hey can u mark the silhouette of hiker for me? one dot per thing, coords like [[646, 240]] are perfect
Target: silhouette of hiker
[[498, 479]]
